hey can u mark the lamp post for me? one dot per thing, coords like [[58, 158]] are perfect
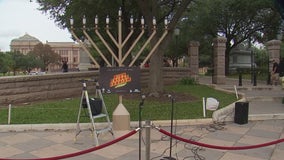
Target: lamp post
[[176, 33], [253, 68], [140, 123]]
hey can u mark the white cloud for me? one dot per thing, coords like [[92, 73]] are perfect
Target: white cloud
[[22, 16]]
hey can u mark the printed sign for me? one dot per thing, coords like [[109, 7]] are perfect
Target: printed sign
[[120, 79]]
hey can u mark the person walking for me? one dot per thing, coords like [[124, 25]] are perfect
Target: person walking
[[275, 73], [281, 72], [281, 67], [65, 66]]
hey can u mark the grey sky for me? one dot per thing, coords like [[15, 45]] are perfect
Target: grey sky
[[18, 17]]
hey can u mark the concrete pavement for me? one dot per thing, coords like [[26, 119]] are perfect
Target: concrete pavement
[[265, 102], [49, 143]]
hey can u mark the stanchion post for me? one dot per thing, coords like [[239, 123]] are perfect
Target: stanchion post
[[172, 119], [140, 118], [148, 139], [9, 113], [140, 106]]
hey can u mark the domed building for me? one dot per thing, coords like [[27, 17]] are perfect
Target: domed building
[[24, 44], [70, 52]]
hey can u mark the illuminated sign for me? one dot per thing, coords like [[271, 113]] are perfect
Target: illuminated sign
[[120, 79]]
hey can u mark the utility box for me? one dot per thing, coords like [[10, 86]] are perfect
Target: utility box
[[241, 112]]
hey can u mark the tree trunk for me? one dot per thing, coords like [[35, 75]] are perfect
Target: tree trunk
[[149, 9], [156, 84]]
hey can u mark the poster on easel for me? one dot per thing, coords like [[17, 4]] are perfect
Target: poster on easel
[[120, 79]]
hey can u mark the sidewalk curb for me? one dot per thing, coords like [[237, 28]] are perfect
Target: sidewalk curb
[[72, 126]]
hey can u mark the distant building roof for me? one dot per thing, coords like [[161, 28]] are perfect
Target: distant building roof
[[25, 37], [62, 44]]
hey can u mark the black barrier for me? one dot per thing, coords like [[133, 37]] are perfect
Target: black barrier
[[241, 112]]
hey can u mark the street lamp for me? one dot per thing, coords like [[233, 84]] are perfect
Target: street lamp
[[176, 33], [253, 68]]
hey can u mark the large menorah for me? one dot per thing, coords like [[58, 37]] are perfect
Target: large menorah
[[120, 57]]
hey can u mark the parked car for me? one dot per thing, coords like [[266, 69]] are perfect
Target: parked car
[[36, 73]]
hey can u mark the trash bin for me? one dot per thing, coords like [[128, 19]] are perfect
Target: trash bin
[[241, 112]]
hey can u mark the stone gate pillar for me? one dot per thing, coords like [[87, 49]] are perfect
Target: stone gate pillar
[[219, 45], [193, 52], [273, 48]]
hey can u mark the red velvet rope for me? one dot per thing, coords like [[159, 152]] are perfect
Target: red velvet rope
[[220, 147], [84, 151]]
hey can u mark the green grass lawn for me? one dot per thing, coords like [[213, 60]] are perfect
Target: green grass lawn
[[66, 111]]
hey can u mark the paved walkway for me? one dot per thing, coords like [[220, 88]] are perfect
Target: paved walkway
[[264, 100]]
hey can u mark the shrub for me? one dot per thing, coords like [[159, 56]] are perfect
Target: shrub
[[188, 81]]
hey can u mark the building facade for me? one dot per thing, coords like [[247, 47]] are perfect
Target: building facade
[[68, 51], [24, 44]]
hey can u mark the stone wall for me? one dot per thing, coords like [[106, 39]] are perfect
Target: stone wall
[[31, 88]]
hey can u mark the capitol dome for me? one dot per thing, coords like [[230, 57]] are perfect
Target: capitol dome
[[25, 38], [24, 44]]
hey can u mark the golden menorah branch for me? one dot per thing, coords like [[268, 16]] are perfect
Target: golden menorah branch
[[133, 45], [120, 43], [96, 47], [154, 48], [142, 48], [84, 48], [106, 45]]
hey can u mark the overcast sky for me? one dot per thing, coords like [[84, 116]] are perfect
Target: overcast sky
[[18, 17]]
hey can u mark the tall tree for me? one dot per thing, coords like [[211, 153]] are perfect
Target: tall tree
[[17, 62], [45, 54], [31, 62], [238, 20], [280, 7], [61, 11], [5, 62]]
